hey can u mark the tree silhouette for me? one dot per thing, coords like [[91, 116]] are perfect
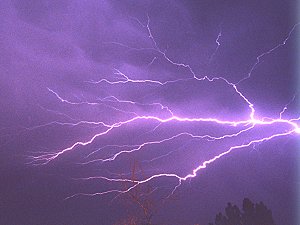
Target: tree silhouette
[[146, 206], [139, 197], [252, 214]]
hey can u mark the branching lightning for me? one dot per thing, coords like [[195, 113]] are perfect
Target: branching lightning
[[242, 126]]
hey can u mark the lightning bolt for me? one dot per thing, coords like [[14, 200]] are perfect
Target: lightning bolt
[[218, 45], [241, 127], [258, 58]]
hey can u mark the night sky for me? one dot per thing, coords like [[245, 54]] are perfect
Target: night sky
[[199, 98]]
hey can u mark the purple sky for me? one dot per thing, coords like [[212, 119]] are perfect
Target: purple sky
[[66, 66]]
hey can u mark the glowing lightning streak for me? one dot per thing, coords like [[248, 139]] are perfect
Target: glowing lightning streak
[[126, 79], [218, 45], [191, 175], [115, 99], [88, 103], [164, 53], [286, 107], [139, 147], [173, 118], [267, 53], [152, 61], [156, 49], [186, 65], [46, 158]]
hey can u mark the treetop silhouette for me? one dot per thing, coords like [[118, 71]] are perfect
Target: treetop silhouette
[[251, 214]]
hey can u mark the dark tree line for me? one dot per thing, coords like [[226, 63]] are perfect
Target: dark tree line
[[251, 214]]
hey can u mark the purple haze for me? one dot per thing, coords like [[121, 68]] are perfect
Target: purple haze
[[201, 94]]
